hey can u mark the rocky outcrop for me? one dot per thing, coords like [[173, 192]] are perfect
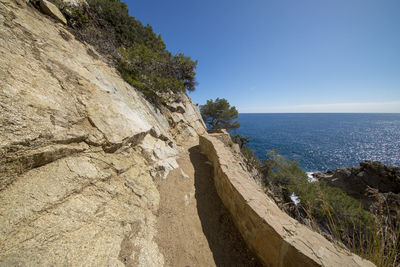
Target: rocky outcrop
[[192, 116], [276, 238], [51, 10], [376, 185], [80, 151], [356, 180]]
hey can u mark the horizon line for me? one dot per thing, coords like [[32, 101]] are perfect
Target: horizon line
[[389, 107], [318, 112]]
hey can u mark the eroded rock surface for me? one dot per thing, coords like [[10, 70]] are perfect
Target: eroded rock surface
[[80, 151]]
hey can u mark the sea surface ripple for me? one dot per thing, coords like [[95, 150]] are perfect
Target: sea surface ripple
[[321, 142]]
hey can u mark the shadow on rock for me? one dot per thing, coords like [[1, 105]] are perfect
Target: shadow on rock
[[225, 241]]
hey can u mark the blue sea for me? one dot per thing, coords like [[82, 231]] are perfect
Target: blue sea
[[321, 142]]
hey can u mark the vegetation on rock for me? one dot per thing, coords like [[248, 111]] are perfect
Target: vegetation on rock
[[330, 211], [219, 114], [134, 49], [240, 140]]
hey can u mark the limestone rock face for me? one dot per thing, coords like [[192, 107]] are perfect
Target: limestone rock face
[[159, 153], [191, 115], [80, 150]]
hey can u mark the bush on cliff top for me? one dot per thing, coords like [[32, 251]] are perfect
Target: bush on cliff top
[[138, 53], [320, 198], [219, 114]]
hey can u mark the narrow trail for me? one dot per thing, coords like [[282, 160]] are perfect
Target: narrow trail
[[194, 227]]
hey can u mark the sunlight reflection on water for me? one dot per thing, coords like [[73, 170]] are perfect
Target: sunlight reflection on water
[[321, 142]]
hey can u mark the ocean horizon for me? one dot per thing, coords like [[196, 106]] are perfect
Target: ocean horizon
[[389, 113], [324, 141]]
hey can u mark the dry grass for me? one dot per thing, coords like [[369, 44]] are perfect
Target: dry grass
[[378, 242]]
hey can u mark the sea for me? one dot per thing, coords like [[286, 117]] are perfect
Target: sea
[[326, 141]]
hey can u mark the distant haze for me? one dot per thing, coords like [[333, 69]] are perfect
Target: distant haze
[[373, 107]]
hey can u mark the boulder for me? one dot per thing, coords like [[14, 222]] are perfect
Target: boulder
[[51, 10]]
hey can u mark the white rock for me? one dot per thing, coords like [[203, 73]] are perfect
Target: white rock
[[184, 175], [115, 119], [187, 198]]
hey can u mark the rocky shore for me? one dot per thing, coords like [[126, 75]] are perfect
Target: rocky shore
[[371, 182]]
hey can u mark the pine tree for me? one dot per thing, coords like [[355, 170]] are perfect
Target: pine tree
[[219, 114]]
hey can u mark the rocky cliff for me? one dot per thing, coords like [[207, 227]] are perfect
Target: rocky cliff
[[80, 150]]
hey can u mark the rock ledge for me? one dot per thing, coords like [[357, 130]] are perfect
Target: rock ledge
[[276, 238]]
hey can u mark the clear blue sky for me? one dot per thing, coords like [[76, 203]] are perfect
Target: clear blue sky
[[286, 55]]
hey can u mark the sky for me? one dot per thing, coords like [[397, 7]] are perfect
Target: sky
[[286, 55]]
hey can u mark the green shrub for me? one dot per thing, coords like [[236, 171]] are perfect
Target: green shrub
[[157, 72], [138, 53], [240, 140], [251, 158], [219, 114], [78, 17], [248, 154], [332, 210], [279, 170]]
